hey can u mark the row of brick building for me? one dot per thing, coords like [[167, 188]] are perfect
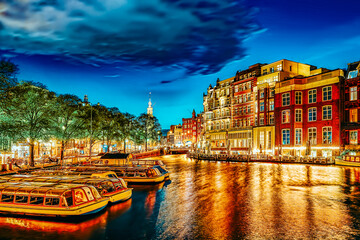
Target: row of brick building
[[285, 107]]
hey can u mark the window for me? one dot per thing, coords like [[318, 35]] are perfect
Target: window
[[236, 88], [327, 135], [35, 200], [286, 136], [327, 112], [271, 105], [222, 125], [353, 93], [264, 71], [249, 109], [312, 114], [285, 116], [312, 96], [272, 91], [353, 74], [269, 140], [249, 85], [298, 115], [327, 92], [354, 137], [290, 68], [271, 117], [312, 136], [262, 106], [21, 199], [279, 67], [261, 93], [261, 120], [248, 97], [272, 69], [7, 197], [276, 78], [286, 99], [50, 201], [298, 98], [353, 115], [256, 121], [298, 136]]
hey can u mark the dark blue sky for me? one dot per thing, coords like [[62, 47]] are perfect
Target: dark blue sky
[[117, 52]]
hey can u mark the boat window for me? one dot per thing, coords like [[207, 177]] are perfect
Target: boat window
[[118, 185], [88, 193], [69, 198], [79, 196], [51, 201], [95, 192], [21, 199], [111, 175], [7, 198], [34, 200]]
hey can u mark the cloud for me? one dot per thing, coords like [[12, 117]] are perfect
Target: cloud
[[112, 76], [196, 35]]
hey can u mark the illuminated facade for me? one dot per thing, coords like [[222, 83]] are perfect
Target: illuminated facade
[[243, 109], [350, 124], [264, 121], [192, 128], [307, 114], [217, 115]]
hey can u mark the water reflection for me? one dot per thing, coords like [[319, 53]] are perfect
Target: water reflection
[[210, 200]]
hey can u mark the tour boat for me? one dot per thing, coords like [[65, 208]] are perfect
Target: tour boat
[[50, 199], [348, 160], [113, 188], [132, 175], [146, 163], [71, 172]]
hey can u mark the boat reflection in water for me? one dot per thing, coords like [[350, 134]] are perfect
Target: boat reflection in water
[[31, 227]]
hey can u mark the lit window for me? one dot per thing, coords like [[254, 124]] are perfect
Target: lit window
[[353, 115], [354, 137], [327, 112], [262, 94], [312, 136], [271, 117], [298, 136], [298, 115], [276, 78], [286, 99], [327, 92], [236, 88], [353, 93], [298, 97], [312, 114], [312, 96], [249, 85], [279, 67], [271, 105], [285, 116], [262, 106], [261, 120], [272, 92], [327, 135], [353, 74], [286, 136]]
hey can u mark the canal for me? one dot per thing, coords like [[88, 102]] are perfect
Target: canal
[[213, 200]]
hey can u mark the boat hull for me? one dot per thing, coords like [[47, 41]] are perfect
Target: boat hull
[[144, 180], [347, 163], [85, 209], [120, 196]]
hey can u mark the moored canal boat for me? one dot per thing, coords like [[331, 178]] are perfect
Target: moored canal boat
[[50, 199], [132, 175], [348, 160], [113, 188]]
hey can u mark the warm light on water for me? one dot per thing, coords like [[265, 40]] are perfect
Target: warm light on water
[[208, 200]]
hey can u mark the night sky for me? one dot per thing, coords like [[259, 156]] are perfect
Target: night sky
[[117, 51]]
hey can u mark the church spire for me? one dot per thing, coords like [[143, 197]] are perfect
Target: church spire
[[150, 108]]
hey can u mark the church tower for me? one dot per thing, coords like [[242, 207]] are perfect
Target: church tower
[[150, 108]]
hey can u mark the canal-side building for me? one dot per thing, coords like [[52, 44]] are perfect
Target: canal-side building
[[264, 120], [307, 114], [178, 133], [192, 128], [351, 104], [217, 116], [243, 109]]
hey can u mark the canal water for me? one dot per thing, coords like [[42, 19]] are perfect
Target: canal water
[[218, 200]]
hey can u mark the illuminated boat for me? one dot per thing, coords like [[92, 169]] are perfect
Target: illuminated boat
[[50, 199], [66, 172], [113, 188], [146, 163], [348, 160], [132, 175]]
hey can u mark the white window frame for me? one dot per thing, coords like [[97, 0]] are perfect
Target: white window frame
[[326, 97], [287, 132], [285, 99], [312, 120], [298, 118], [313, 141], [311, 94], [297, 130], [326, 109], [353, 93], [297, 95], [283, 114], [323, 135]]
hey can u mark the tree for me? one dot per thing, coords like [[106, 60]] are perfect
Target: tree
[[127, 124], [8, 72], [110, 124], [26, 110], [67, 121], [148, 128]]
